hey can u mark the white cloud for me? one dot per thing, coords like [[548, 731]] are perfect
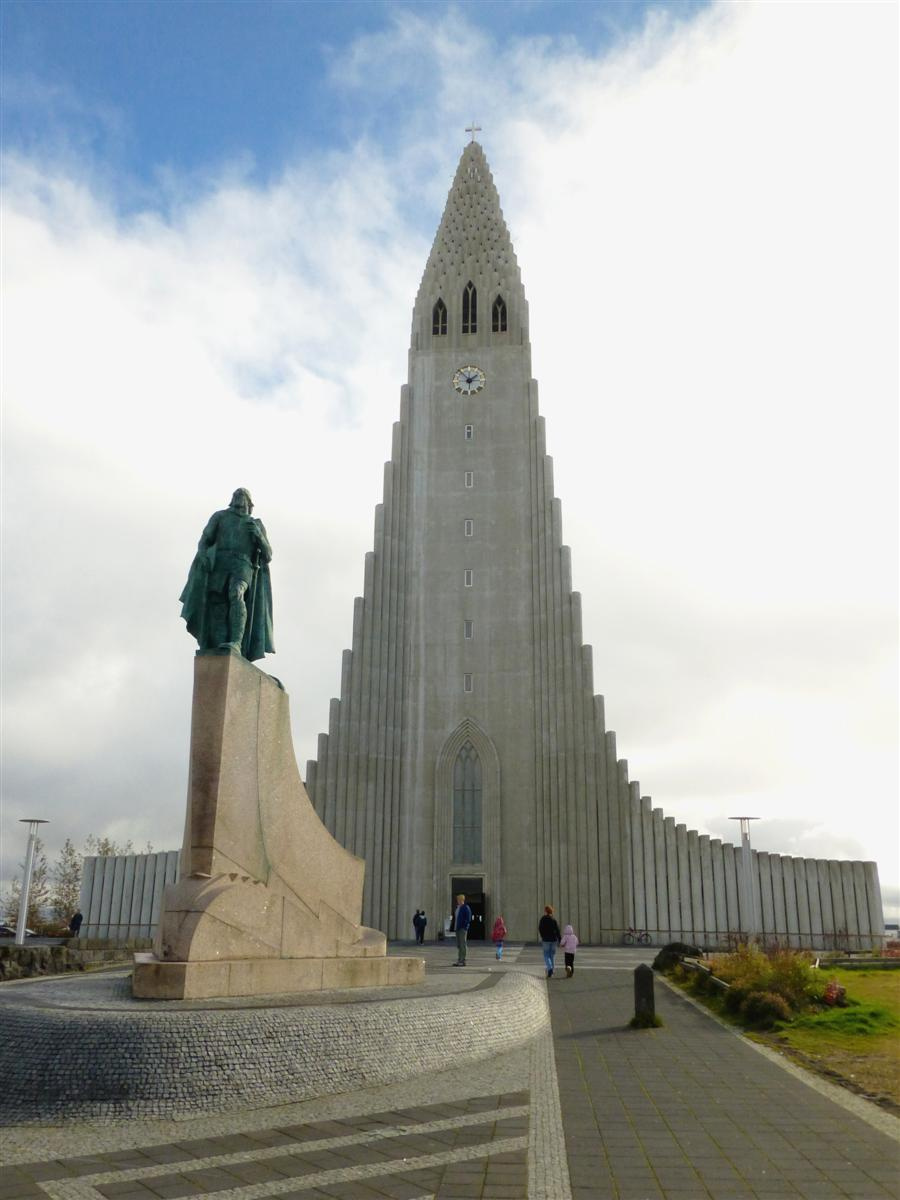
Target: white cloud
[[706, 224]]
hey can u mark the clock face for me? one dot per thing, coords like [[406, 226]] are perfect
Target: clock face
[[469, 380]]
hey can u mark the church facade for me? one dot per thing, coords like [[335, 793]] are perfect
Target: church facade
[[467, 750]]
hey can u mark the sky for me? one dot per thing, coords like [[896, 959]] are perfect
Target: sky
[[215, 219]]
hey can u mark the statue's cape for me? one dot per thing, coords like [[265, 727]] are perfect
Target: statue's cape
[[193, 598], [258, 633]]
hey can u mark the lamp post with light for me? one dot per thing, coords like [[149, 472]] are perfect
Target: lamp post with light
[[748, 899], [32, 823]]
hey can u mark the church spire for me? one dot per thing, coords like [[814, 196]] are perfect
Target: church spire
[[472, 246]]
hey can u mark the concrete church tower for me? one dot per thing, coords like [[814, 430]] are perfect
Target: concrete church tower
[[467, 751]]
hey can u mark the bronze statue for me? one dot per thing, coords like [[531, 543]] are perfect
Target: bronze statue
[[227, 600]]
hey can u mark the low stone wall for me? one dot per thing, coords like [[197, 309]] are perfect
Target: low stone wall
[[86, 1051], [25, 962]]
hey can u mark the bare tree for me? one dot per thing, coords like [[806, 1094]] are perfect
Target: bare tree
[[38, 893]]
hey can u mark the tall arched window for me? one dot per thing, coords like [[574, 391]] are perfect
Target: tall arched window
[[470, 308], [498, 316], [439, 317], [467, 806]]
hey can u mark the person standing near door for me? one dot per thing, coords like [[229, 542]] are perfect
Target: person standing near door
[[461, 921], [550, 937]]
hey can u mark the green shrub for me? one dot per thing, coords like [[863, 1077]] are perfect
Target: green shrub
[[762, 1010], [792, 976]]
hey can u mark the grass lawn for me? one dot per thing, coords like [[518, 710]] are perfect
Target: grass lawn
[[858, 1046]]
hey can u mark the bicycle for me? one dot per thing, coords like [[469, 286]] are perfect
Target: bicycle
[[632, 935]]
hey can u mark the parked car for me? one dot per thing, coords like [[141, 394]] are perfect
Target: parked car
[[8, 931]]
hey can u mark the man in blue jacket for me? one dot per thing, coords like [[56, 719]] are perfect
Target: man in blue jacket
[[461, 922]]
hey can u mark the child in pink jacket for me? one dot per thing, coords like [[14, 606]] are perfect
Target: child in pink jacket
[[569, 944]]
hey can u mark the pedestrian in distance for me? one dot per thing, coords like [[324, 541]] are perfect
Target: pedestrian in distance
[[75, 924], [417, 920], [498, 933], [568, 945], [420, 930], [550, 937], [462, 919]]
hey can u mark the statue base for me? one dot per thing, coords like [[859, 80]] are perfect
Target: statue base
[[267, 902], [155, 980]]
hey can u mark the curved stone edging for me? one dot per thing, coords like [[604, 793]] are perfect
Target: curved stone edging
[[59, 1065]]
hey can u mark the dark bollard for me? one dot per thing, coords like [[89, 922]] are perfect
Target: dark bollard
[[644, 1004]]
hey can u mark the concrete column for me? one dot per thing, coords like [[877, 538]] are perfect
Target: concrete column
[[334, 725], [604, 853], [676, 928], [148, 928], [731, 871], [637, 856], [128, 915], [778, 904], [816, 925], [108, 875], [708, 890], [852, 924], [873, 902], [592, 802], [720, 897], [792, 915], [585, 881], [662, 877], [688, 933], [695, 882], [841, 923], [626, 856], [86, 895], [617, 916], [651, 918], [862, 907]]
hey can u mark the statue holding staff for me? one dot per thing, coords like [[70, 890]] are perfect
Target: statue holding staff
[[227, 600]]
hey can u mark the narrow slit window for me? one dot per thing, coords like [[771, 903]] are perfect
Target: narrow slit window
[[470, 478], [439, 317], [467, 683], [467, 807], [498, 316], [467, 578], [468, 630], [468, 527], [470, 433], [470, 308]]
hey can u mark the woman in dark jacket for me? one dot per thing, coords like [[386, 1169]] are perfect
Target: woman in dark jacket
[[550, 937]]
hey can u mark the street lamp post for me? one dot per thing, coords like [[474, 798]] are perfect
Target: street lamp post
[[748, 898], [32, 823]]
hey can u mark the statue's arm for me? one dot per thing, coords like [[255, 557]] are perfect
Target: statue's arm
[[265, 550], [208, 536]]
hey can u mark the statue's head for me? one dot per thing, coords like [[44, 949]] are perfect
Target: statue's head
[[241, 501]]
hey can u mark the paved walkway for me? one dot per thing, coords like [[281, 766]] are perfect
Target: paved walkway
[[595, 1110], [693, 1111]]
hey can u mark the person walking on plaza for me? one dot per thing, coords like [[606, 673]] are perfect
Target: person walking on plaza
[[419, 923], [550, 937], [462, 919], [568, 945], [497, 935], [75, 924]]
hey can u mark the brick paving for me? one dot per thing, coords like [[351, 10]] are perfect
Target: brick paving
[[686, 1112], [691, 1111]]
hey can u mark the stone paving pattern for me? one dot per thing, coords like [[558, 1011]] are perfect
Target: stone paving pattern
[[689, 1111]]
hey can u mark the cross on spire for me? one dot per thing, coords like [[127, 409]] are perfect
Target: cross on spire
[[473, 129]]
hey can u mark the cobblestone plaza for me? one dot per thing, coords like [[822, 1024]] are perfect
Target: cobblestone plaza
[[580, 1107]]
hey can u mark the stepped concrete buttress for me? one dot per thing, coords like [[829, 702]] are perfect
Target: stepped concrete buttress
[[268, 902]]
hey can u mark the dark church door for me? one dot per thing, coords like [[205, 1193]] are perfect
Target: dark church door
[[473, 890]]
